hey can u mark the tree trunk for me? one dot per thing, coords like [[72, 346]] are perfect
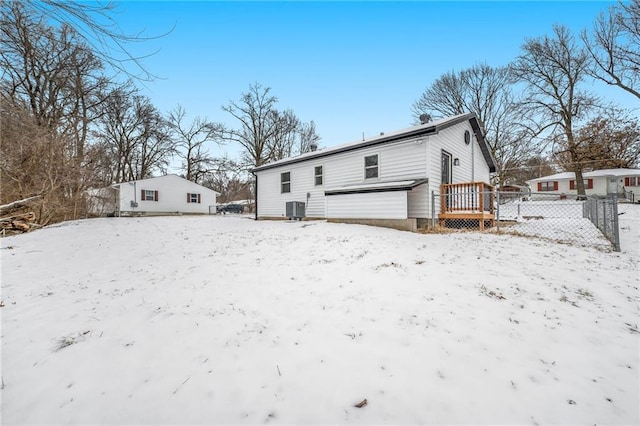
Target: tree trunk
[[580, 184]]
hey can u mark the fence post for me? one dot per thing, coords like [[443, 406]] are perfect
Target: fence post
[[615, 224], [433, 209], [604, 219], [498, 211]]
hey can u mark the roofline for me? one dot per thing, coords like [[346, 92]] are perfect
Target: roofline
[[590, 174], [424, 130], [117, 185], [365, 144]]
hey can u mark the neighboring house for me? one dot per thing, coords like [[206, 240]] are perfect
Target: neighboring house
[[168, 194], [598, 182], [386, 180]]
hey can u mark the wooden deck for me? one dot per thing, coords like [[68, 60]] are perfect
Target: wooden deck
[[467, 205]]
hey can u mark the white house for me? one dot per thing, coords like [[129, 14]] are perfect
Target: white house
[[597, 182], [168, 194], [386, 180]]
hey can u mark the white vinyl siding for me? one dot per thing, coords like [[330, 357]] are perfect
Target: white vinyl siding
[[396, 161], [418, 200], [452, 140], [373, 205], [402, 160], [272, 202]]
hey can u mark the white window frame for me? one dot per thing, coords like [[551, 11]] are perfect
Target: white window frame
[[193, 198], [377, 166], [316, 175], [148, 197], [282, 183]]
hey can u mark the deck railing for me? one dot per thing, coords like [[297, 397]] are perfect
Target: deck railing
[[471, 197]]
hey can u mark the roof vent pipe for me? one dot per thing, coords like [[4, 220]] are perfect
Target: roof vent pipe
[[425, 118]]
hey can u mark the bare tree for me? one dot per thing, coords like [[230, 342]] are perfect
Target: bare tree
[[136, 135], [552, 68], [308, 138], [285, 134], [192, 139], [96, 27], [34, 161], [230, 179], [53, 70], [265, 133], [487, 92], [54, 82], [256, 128], [610, 140], [614, 47], [531, 168]]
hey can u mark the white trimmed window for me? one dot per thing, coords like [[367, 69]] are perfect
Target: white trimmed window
[[632, 181], [193, 198], [285, 182], [148, 195], [317, 173], [371, 166]]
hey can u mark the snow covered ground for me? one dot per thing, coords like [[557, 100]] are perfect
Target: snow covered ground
[[224, 320]]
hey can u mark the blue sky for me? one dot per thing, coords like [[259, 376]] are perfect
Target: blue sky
[[352, 67]]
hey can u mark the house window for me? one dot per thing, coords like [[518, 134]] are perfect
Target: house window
[[285, 182], [193, 198], [548, 186], [632, 181], [148, 195], [588, 184], [371, 166], [318, 175]]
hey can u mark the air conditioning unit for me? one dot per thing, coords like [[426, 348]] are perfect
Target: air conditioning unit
[[295, 210]]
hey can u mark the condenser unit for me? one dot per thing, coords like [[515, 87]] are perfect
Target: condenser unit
[[295, 210]]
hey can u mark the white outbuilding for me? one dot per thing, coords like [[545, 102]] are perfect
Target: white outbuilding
[[170, 194]]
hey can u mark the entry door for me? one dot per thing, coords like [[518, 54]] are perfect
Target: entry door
[[446, 168], [446, 178], [612, 187]]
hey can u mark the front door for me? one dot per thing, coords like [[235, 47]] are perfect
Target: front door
[[612, 185], [446, 177]]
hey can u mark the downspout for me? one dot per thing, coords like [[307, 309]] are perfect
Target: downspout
[[473, 157], [255, 201]]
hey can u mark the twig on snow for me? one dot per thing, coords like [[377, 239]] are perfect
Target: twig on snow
[[361, 404]]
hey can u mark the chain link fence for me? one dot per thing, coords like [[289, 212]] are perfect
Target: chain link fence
[[555, 217]]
